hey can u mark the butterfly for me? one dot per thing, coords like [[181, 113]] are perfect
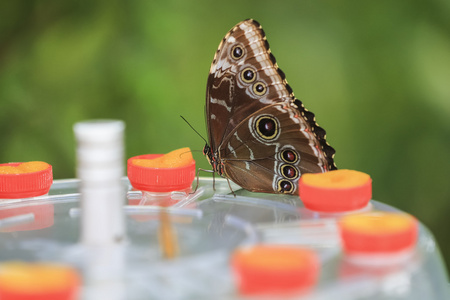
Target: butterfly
[[260, 136]]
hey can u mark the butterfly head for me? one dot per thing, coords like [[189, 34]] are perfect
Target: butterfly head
[[207, 152]]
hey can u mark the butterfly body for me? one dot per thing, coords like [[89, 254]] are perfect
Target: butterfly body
[[260, 136]]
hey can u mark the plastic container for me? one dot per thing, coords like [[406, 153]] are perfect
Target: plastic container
[[207, 237], [42, 216]]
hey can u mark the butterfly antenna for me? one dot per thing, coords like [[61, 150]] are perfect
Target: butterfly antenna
[[194, 130]]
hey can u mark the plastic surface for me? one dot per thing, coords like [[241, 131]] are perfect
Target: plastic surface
[[210, 225], [160, 179], [23, 185]]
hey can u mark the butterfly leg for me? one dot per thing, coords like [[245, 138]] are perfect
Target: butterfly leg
[[209, 171], [229, 185], [214, 180]]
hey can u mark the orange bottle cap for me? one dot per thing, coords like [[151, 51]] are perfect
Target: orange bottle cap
[[38, 281], [378, 233], [335, 191], [264, 269], [160, 179], [26, 182]]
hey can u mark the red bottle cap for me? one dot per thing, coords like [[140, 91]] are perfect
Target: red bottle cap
[[335, 191], [274, 269], [378, 233], [38, 281], [160, 179], [26, 184]]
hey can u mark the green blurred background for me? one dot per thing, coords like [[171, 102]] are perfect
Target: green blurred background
[[375, 73]]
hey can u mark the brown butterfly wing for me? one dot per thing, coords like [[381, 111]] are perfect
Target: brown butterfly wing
[[271, 149], [228, 98], [245, 85]]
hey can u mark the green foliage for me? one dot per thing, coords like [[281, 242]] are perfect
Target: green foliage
[[375, 73]]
